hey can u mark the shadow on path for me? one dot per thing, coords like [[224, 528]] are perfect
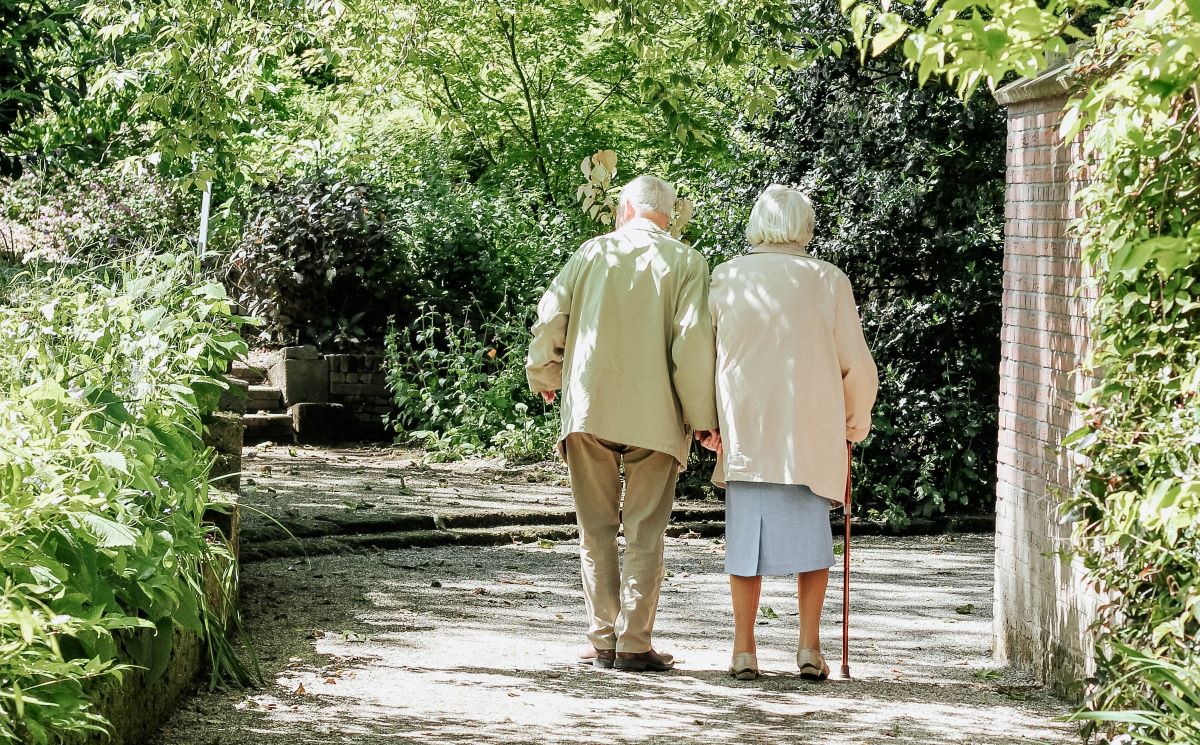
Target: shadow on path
[[475, 645]]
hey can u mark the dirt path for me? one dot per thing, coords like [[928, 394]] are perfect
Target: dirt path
[[474, 645]]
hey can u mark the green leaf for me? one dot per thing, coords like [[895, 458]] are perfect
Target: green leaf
[[108, 533], [113, 460], [892, 31]]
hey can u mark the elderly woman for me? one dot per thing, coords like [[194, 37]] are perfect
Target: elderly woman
[[795, 384]]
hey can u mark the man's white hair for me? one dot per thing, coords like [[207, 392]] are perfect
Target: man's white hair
[[782, 214], [647, 194]]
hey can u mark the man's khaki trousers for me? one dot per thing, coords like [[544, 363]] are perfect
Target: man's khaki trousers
[[622, 600]]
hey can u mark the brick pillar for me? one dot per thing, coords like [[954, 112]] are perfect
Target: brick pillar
[[1041, 609]]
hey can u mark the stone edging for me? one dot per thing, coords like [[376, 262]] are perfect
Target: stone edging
[[490, 528]]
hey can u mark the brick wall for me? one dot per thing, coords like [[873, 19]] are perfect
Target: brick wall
[[1041, 608]]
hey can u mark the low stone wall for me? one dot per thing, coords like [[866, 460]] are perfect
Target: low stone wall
[[357, 382], [140, 702], [224, 436]]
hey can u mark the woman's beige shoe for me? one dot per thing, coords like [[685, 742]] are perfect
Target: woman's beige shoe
[[812, 665], [744, 666]]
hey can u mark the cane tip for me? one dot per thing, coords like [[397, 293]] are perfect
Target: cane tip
[[845, 673]]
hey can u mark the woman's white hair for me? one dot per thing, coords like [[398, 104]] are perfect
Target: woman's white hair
[[648, 194], [782, 214]]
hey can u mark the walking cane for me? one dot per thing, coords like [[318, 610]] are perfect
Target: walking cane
[[845, 674]]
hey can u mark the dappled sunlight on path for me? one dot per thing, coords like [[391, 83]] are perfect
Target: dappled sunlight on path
[[476, 645]]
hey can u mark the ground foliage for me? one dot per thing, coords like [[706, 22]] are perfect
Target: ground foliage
[[104, 377], [460, 387], [908, 183], [1137, 507]]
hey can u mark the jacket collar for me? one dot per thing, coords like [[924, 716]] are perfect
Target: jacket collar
[[795, 249]]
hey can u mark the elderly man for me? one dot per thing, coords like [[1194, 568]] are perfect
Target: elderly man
[[624, 330]]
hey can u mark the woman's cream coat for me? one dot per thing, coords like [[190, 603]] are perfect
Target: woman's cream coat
[[795, 379]]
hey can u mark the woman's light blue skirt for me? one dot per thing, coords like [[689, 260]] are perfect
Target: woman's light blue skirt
[[773, 529]]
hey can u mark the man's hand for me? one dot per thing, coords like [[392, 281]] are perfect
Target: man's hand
[[709, 439], [548, 396]]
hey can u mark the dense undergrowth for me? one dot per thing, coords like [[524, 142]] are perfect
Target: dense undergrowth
[[104, 377]]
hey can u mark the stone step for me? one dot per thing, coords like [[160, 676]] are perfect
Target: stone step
[[272, 427], [337, 544], [248, 373], [234, 399], [301, 545], [264, 398]]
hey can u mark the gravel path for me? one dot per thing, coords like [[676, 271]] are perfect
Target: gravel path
[[475, 645]]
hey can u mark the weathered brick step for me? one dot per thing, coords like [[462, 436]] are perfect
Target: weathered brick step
[[264, 398], [249, 373], [264, 427]]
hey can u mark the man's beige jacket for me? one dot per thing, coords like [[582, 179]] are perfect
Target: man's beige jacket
[[624, 331], [795, 379]]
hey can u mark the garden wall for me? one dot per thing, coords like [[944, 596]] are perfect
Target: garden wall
[[1042, 609]]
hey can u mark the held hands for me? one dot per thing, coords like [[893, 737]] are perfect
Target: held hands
[[709, 439], [548, 396]]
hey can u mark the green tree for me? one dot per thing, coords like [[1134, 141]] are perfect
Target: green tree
[[188, 85], [545, 84]]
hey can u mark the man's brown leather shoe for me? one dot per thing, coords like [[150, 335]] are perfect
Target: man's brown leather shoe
[[642, 661], [589, 655]]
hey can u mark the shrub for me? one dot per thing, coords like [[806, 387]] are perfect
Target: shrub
[[328, 258], [314, 263], [460, 388], [104, 377], [92, 215], [455, 251]]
